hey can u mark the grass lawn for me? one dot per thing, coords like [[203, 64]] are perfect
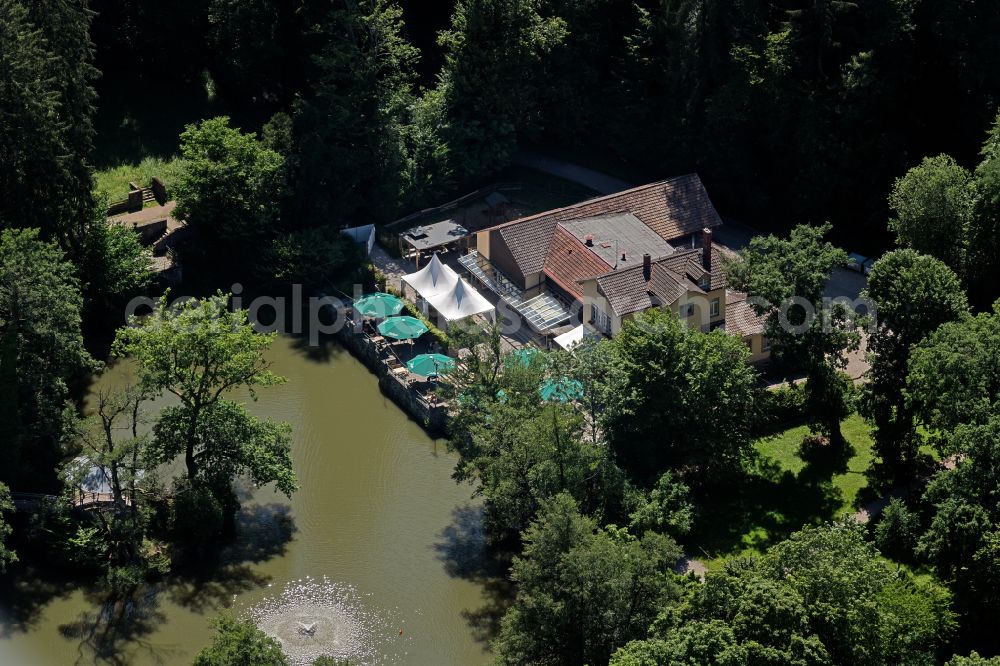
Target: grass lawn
[[113, 182], [783, 494]]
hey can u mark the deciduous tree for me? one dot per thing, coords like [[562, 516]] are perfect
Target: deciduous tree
[[953, 375], [679, 398], [41, 350], [349, 154], [240, 643], [822, 597], [962, 541], [200, 351], [583, 592], [933, 206], [230, 186], [786, 278], [913, 294]]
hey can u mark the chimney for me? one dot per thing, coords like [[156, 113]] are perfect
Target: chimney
[[589, 240], [623, 256], [706, 252], [647, 266]]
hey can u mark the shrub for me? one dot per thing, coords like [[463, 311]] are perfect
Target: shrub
[[896, 532], [776, 408]]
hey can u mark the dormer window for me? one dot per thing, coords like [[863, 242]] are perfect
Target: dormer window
[[704, 283]]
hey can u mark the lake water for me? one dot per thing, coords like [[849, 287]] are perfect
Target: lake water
[[377, 514]]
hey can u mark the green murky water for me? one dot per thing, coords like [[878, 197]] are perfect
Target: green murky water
[[377, 511]]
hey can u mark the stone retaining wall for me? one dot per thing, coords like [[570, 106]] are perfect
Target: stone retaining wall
[[432, 419]]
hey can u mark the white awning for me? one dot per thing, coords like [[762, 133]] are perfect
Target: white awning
[[433, 279], [460, 302], [571, 338]]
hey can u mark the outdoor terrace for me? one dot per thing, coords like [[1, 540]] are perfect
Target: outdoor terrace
[[542, 313]]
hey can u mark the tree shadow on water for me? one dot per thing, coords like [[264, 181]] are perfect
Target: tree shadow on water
[[210, 579], [464, 550], [24, 595], [322, 350], [114, 621]]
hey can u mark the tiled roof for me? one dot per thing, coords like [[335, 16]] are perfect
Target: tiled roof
[[689, 263], [741, 319], [528, 240], [672, 208], [628, 291], [570, 261]]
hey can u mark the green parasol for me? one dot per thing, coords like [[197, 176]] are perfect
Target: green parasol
[[562, 389], [522, 356], [402, 328], [430, 365], [379, 305]]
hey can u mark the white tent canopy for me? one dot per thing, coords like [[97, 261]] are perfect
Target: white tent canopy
[[433, 279], [571, 338], [460, 302]]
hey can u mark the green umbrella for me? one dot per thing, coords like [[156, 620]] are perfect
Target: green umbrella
[[562, 389], [428, 365], [522, 356], [379, 305], [402, 328]]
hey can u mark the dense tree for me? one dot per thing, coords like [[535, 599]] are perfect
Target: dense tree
[[591, 364], [41, 350], [46, 107], [240, 643], [200, 351], [667, 509], [913, 295], [962, 541], [315, 258], [953, 375], [113, 267], [349, 154], [6, 554], [974, 660], [983, 256], [491, 83], [248, 43], [786, 278], [582, 592], [230, 186], [821, 597], [679, 398], [933, 205], [897, 531], [520, 451]]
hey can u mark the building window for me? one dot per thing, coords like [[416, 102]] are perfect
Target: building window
[[765, 344], [600, 319], [704, 283], [716, 306], [686, 310], [749, 342]]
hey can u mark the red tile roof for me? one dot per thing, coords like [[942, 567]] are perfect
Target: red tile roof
[[569, 261], [673, 208], [741, 318]]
